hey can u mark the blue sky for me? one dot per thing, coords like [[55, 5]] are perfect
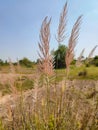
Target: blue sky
[[20, 22]]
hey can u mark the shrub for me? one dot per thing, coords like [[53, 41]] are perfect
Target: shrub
[[26, 62], [82, 73], [59, 56]]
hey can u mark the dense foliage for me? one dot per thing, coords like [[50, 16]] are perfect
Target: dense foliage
[[95, 61], [59, 56], [2, 63], [26, 62]]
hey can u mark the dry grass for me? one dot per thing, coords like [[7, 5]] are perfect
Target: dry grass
[[73, 38], [12, 69], [79, 60], [92, 51], [91, 54], [71, 106], [46, 60], [62, 25], [72, 43]]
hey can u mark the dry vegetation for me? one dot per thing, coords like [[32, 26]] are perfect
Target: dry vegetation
[[51, 104]]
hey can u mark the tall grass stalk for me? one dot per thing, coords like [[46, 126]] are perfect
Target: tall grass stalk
[[79, 60], [72, 44], [62, 25], [91, 54]]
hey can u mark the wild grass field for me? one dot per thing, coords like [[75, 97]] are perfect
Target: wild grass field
[[28, 76], [30, 102], [43, 96]]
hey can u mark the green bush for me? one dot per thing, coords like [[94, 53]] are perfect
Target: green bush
[[24, 84], [26, 62], [59, 56]]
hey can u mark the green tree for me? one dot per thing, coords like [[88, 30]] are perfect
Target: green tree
[[95, 61], [59, 56], [26, 62], [1, 62]]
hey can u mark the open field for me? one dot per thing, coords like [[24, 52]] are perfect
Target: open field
[[54, 104], [27, 77], [67, 105], [91, 73]]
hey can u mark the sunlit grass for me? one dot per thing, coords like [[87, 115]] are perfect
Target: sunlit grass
[[92, 72]]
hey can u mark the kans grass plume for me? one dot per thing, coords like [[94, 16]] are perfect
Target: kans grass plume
[[13, 79], [18, 66], [12, 69], [62, 25], [79, 60], [90, 55], [46, 60], [72, 43], [92, 52]]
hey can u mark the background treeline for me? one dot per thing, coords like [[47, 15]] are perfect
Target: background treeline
[[59, 59], [23, 62], [94, 61]]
